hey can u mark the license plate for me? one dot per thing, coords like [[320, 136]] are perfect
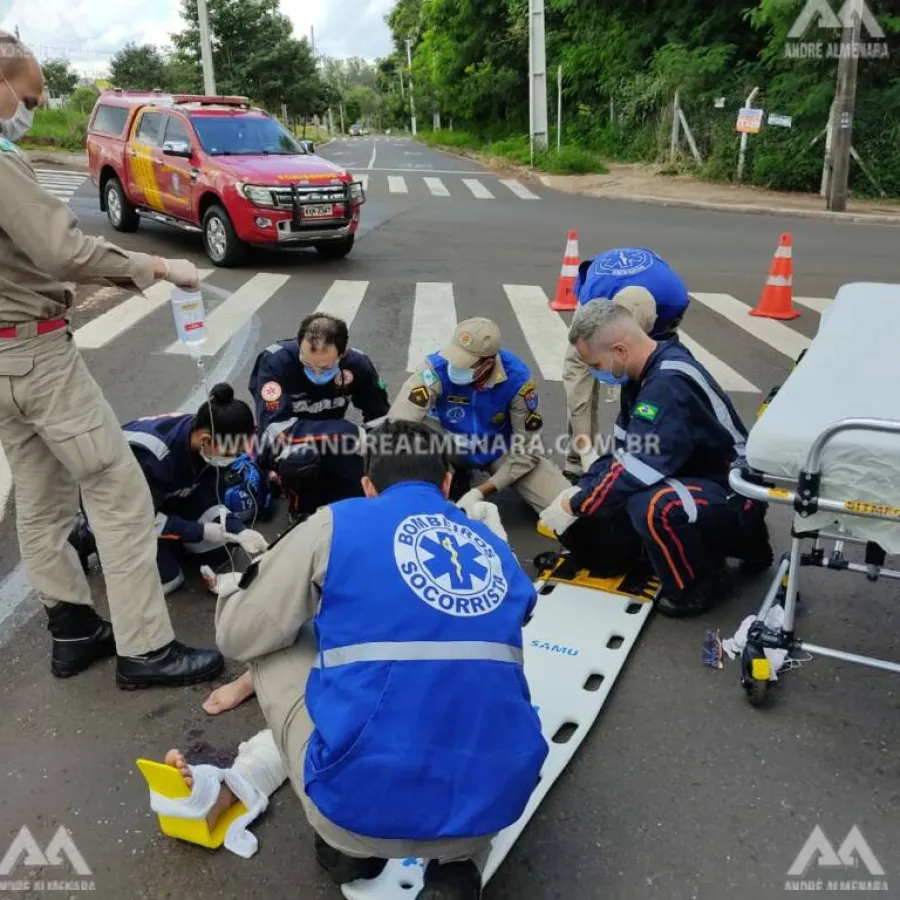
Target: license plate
[[326, 211]]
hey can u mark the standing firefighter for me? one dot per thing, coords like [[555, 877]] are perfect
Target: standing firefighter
[[58, 431]]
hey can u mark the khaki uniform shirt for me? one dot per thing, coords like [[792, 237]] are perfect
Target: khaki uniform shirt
[[278, 594], [421, 392], [41, 248]]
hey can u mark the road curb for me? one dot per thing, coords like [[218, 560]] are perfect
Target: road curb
[[71, 161], [745, 208]]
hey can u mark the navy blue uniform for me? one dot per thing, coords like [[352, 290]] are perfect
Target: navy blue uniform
[[676, 436], [186, 490], [303, 434]]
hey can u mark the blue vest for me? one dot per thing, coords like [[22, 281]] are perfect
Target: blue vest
[[639, 267], [480, 418], [424, 727]]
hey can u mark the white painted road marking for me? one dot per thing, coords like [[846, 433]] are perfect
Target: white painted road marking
[[437, 187], [434, 318], [544, 329], [478, 189], [397, 185], [770, 331], [519, 189], [343, 299], [728, 379]]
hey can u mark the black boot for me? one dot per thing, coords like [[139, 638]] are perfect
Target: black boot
[[451, 881], [345, 869], [756, 554], [80, 638], [696, 600], [171, 666]]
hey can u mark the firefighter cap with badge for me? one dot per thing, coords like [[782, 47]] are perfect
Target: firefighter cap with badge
[[473, 340]]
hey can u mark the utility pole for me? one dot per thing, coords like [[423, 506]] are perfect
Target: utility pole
[[209, 78], [412, 98], [312, 39], [845, 106], [537, 76]]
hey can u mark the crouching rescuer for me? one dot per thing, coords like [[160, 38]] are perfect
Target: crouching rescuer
[[663, 495], [384, 638], [302, 389]]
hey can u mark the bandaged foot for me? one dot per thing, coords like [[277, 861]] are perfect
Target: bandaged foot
[[256, 774], [230, 696], [490, 515]]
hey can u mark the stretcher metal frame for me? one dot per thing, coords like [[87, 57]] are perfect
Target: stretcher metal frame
[[806, 499]]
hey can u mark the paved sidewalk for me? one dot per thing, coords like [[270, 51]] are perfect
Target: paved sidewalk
[[644, 184]]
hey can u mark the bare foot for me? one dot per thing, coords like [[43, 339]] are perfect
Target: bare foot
[[223, 802], [230, 696]]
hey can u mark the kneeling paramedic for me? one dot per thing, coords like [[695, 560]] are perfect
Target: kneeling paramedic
[[663, 495], [642, 282], [185, 459], [484, 400], [384, 636], [302, 389]]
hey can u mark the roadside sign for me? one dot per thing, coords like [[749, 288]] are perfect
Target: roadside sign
[[783, 121], [720, 102], [749, 121]]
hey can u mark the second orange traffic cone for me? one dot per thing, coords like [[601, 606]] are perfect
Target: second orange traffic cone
[[777, 298], [565, 301]]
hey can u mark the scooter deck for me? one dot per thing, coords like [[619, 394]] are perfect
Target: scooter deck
[[576, 644]]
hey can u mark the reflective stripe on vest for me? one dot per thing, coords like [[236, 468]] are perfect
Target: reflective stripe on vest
[[419, 651]]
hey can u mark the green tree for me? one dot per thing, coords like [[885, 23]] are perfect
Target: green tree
[[142, 68], [59, 78]]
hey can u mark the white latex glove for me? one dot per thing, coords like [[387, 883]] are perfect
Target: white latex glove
[[252, 542], [215, 533], [181, 272], [467, 502], [555, 517], [490, 515], [588, 459]]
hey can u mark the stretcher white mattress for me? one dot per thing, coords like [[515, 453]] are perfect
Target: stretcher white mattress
[[851, 370]]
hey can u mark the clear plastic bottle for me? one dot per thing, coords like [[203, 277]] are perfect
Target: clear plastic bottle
[[190, 316]]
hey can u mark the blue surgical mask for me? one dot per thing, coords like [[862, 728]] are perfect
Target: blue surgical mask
[[321, 377], [460, 376], [605, 377], [220, 462]]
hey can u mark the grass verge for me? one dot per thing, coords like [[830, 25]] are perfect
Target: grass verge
[[567, 160]]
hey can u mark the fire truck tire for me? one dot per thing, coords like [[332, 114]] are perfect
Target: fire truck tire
[[121, 214], [336, 249], [224, 248]]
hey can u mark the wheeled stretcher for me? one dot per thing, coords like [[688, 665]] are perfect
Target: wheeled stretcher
[[827, 443]]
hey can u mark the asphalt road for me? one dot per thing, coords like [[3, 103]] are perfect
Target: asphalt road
[[682, 790]]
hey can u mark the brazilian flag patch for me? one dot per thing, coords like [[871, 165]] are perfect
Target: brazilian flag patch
[[7, 146], [646, 411]]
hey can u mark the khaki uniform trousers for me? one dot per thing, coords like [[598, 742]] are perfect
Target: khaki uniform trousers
[[584, 396], [280, 679], [60, 434]]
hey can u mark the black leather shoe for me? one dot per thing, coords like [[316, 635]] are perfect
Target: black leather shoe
[[80, 638], [697, 600], [172, 666], [452, 881], [344, 869]]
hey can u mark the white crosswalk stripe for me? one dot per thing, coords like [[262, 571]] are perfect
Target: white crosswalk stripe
[[59, 182], [437, 187], [478, 189], [343, 300], [434, 318], [397, 185], [544, 329], [519, 189], [772, 332]]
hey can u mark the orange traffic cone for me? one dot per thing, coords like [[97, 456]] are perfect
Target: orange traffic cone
[[777, 298], [565, 301]]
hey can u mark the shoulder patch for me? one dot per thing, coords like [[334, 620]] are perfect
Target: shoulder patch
[[381, 384], [428, 377], [646, 411], [419, 396], [499, 418], [7, 146], [533, 422], [271, 391], [344, 378]]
